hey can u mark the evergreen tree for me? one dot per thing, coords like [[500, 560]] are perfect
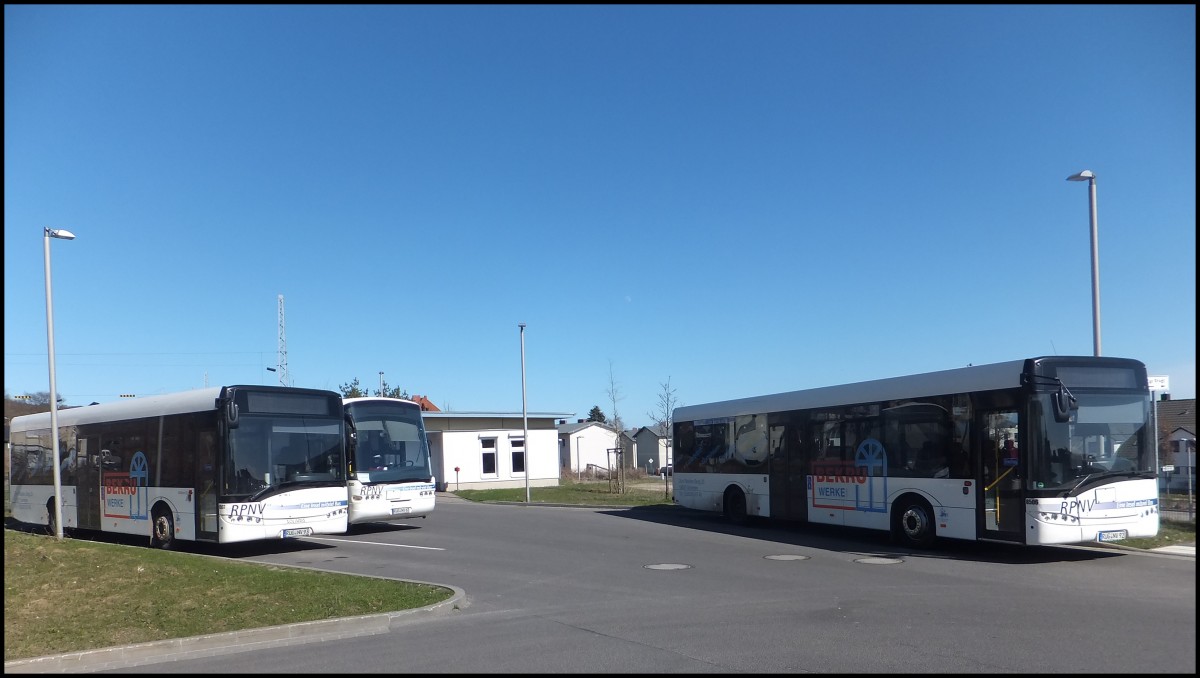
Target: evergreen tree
[[355, 390], [352, 390]]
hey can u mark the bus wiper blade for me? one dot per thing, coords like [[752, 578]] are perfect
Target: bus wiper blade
[[263, 493], [1082, 481]]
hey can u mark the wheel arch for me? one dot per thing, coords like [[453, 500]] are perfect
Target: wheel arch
[[896, 513]]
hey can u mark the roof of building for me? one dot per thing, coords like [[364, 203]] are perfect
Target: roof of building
[[1176, 415], [496, 415], [575, 427], [649, 430], [425, 403]]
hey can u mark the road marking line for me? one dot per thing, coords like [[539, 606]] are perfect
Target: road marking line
[[375, 543]]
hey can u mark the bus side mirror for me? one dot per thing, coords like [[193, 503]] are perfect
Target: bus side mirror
[[351, 435], [1064, 403], [231, 414]]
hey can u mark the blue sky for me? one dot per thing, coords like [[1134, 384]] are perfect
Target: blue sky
[[738, 199]]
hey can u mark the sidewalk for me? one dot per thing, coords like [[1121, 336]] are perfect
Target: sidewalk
[[1177, 550]]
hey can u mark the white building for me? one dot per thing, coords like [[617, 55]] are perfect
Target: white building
[[483, 450], [587, 447], [629, 449]]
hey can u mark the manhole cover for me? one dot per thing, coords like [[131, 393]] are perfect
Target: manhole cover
[[787, 556], [668, 566], [876, 560]]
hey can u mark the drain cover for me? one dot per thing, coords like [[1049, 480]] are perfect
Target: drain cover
[[877, 560]]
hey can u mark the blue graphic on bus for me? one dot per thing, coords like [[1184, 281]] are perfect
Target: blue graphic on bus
[[871, 457], [126, 494]]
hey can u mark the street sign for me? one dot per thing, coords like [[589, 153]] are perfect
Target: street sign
[[1159, 382], [1168, 469]]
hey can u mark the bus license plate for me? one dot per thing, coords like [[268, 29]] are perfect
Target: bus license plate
[[1112, 535], [297, 532], [402, 509]]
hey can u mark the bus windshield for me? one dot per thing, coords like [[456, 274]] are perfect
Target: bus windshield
[[1107, 436], [267, 452], [391, 443]]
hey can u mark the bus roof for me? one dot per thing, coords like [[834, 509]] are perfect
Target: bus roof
[[958, 380], [197, 400], [380, 399]]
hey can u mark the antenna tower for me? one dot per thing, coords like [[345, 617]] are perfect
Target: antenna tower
[[285, 379]]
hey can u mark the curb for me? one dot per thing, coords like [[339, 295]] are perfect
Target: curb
[[215, 644], [1173, 550], [1189, 550]]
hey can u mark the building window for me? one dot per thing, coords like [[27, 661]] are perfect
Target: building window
[[518, 454], [489, 456]]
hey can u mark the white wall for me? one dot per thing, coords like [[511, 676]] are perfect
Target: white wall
[[590, 446], [464, 450]]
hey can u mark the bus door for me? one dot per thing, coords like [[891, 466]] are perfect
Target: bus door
[[788, 470], [87, 483], [206, 474], [1001, 505]]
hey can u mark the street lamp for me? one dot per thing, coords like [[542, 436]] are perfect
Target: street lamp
[[381, 393], [62, 235], [1090, 177], [578, 443], [524, 415]]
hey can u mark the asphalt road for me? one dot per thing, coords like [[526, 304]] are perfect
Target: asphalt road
[[574, 590]]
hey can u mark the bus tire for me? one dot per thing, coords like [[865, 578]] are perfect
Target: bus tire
[[912, 522], [162, 528], [734, 506]]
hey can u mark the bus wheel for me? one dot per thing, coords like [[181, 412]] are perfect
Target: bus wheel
[[735, 506], [914, 522], [162, 530]]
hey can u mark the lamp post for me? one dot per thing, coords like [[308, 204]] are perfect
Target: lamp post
[[381, 393], [1090, 177], [62, 235], [578, 443], [524, 414]]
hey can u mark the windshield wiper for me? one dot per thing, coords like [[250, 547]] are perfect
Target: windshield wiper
[[1082, 481], [1062, 401]]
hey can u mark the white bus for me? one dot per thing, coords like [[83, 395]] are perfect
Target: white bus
[[223, 464], [389, 473], [1051, 450]]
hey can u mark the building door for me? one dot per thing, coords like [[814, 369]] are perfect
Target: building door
[[1001, 505]]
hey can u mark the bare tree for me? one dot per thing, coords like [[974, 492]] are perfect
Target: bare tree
[[667, 402], [40, 398], [614, 395]]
